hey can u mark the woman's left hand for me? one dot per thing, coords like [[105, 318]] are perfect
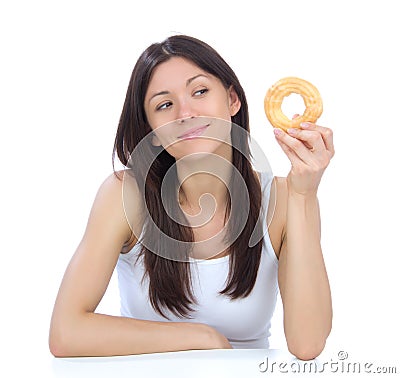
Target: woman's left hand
[[310, 150]]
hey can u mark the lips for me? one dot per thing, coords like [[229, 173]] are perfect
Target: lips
[[193, 132]]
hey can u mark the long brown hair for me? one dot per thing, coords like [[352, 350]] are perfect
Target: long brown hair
[[170, 280]]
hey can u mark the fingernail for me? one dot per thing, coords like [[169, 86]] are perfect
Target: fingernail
[[292, 131], [278, 132], [305, 125]]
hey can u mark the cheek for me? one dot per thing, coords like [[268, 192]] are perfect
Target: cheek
[[152, 120], [155, 118], [158, 120], [165, 131], [222, 107]]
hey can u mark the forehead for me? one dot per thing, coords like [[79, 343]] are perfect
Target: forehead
[[173, 71]]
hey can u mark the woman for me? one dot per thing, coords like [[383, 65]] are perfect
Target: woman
[[183, 285]]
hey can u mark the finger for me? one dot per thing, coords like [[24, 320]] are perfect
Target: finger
[[327, 136], [292, 156], [296, 145], [312, 139], [326, 133]]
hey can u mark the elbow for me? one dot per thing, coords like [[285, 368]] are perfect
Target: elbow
[[309, 345], [55, 349], [56, 344], [59, 342], [306, 350]]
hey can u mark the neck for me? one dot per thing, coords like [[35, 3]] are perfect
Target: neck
[[205, 175]]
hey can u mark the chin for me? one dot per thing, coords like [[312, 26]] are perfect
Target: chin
[[196, 149]]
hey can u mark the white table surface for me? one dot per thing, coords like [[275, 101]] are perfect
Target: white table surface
[[232, 363], [203, 363]]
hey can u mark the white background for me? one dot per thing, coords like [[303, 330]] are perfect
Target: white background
[[65, 67]]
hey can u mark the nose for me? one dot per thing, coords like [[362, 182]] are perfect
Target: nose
[[185, 110]]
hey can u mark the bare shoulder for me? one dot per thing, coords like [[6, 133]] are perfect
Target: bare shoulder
[[115, 181], [118, 207], [277, 215], [120, 186]]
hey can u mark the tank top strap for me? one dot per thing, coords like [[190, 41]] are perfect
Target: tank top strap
[[266, 181]]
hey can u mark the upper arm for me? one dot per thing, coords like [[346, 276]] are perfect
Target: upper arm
[[90, 269]]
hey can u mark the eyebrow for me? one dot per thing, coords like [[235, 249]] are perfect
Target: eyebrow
[[188, 81]]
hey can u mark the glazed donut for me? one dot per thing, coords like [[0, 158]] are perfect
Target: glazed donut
[[285, 87]]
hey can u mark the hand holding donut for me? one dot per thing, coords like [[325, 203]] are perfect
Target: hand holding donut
[[308, 146]]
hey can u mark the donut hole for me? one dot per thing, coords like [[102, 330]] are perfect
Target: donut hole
[[293, 104]]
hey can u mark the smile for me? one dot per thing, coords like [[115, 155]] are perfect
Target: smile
[[194, 132]]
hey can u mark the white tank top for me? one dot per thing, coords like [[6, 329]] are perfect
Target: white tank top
[[245, 322]]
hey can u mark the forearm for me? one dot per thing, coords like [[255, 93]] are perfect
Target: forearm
[[307, 298], [92, 334]]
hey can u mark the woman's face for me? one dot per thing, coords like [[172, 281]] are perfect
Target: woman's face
[[188, 109]]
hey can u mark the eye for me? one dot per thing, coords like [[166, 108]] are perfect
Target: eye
[[200, 92], [164, 105]]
